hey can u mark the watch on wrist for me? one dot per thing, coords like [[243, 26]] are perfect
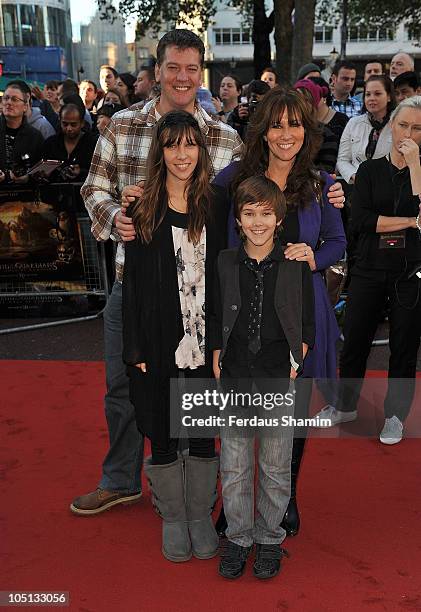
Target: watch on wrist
[[221, 113]]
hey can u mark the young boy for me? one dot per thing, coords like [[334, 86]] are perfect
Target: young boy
[[262, 326]]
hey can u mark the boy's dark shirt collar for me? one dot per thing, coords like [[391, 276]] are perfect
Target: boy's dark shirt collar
[[276, 254]]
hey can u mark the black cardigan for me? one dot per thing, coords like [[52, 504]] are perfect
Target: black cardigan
[[28, 141], [152, 322], [380, 189]]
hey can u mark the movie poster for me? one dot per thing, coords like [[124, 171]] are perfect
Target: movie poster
[[38, 241]]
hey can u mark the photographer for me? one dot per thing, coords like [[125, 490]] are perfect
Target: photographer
[[72, 146], [386, 214], [20, 144], [240, 116]]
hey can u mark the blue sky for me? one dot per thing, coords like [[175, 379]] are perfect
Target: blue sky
[[82, 11]]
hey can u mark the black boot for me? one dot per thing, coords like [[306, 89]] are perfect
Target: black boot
[[291, 520], [221, 524]]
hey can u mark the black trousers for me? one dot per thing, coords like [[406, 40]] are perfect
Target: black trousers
[[162, 454], [368, 293]]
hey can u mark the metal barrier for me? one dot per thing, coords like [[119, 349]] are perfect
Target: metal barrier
[[96, 281]]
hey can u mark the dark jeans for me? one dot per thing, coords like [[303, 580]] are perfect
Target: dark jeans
[[123, 462], [368, 292]]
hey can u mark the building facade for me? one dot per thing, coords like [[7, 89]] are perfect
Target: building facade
[[102, 42], [229, 46], [37, 23]]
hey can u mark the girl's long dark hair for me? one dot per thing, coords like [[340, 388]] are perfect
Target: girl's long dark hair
[[149, 212], [304, 180]]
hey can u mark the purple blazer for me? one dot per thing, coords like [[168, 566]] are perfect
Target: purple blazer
[[321, 227]]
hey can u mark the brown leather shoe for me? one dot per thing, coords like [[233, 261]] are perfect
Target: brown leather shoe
[[100, 500]]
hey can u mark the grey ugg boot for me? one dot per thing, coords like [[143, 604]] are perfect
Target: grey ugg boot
[[200, 482], [167, 487]]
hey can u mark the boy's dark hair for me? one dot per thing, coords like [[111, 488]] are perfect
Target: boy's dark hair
[[260, 190], [182, 39], [22, 86], [407, 78], [106, 66], [343, 64], [52, 84]]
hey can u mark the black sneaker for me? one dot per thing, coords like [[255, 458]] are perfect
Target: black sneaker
[[268, 560], [233, 560]]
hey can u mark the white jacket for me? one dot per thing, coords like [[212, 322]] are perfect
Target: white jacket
[[354, 142]]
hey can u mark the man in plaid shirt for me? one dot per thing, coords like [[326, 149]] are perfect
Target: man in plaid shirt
[[343, 81], [119, 161]]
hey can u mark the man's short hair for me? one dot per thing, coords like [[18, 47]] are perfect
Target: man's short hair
[[150, 70], [407, 78], [69, 86], [107, 67], [22, 86], [94, 85], [373, 61], [182, 39], [343, 64]]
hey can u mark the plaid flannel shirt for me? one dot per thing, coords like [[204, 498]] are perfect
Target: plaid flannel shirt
[[351, 107], [120, 160]]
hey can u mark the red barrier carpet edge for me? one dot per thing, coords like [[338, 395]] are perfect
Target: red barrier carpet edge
[[359, 547]]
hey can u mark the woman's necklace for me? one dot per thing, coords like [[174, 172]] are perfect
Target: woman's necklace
[[175, 207]]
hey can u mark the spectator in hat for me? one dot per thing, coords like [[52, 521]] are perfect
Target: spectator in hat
[[330, 117], [328, 151], [307, 71]]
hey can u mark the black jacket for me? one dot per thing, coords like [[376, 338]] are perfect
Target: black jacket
[[293, 301], [27, 142], [54, 148], [382, 189], [152, 321]]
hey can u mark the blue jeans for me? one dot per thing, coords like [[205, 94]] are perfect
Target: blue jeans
[[273, 487], [123, 462]]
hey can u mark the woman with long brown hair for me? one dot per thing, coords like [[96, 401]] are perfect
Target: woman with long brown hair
[[282, 143], [181, 227]]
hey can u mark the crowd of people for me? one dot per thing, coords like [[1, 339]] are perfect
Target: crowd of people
[[63, 122], [226, 212]]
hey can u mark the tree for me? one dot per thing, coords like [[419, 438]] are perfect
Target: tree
[[302, 42], [372, 13], [283, 37]]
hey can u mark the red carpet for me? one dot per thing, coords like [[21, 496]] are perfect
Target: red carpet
[[359, 548]]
